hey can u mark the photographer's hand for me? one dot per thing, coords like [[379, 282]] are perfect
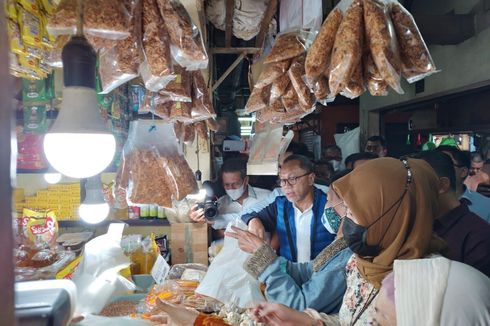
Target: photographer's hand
[[197, 214]]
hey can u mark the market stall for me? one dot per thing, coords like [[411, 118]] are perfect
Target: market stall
[[114, 96]]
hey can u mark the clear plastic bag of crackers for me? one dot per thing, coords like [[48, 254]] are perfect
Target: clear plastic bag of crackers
[[153, 169]]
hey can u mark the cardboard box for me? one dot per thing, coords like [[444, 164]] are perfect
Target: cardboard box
[[189, 243], [18, 195]]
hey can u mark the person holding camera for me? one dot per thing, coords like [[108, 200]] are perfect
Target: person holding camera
[[239, 195]]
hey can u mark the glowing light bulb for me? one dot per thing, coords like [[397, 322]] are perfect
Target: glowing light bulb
[[94, 209], [52, 177], [93, 213], [79, 144]]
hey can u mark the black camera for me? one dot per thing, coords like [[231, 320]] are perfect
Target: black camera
[[210, 204], [210, 208]]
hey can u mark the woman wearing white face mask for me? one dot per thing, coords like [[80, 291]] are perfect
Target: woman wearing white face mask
[[302, 285]]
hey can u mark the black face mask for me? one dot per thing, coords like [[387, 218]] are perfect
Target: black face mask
[[355, 236]]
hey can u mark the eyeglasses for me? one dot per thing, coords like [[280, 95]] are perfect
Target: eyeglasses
[[291, 180]]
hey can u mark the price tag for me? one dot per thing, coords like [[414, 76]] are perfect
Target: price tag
[[160, 270]]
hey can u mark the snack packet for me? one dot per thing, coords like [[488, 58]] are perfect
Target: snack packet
[[102, 18], [417, 62], [186, 42], [156, 69], [41, 227], [382, 42], [347, 48], [319, 55], [286, 46]]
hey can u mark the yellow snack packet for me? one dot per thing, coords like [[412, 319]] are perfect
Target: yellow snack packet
[[41, 228], [44, 69], [33, 52], [68, 270], [126, 273], [28, 62], [49, 6], [30, 28], [14, 37], [31, 6], [11, 9], [46, 41]]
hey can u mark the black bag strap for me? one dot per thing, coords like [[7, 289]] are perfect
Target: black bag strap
[[288, 233]]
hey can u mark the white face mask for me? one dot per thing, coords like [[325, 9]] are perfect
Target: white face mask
[[335, 164], [236, 193]]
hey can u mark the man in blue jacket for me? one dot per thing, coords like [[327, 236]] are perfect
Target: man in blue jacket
[[296, 215]]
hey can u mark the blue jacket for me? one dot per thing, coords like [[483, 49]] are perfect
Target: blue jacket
[[478, 204], [272, 216], [297, 286]]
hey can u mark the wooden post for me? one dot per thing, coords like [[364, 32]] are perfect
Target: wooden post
[[7, 309], [266, 20], [369, 122], [230, 7]]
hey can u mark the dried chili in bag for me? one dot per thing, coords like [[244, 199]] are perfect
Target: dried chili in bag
[[102, 18], [321, 89], [156, 69], [355, 86], [202, 130], [279, 87], [375, 83], [154, 170], [319, 54], [417, 62], [347, 48], [295, 73], [382, 43], [259, 99], [179, 89], [119, 64], [189, 133], [286, 46], [186, 41], [202, 107], [179, 130], [271, 72]]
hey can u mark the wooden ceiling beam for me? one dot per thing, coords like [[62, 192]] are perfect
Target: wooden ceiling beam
[[229, 50], [266, 21], [228, 71]]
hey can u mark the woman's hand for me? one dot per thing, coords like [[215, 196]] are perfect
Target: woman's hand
[[247, 241], [275, 314], [169, 314]]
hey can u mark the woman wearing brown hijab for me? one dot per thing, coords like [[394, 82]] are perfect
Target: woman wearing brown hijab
[[391, 207]]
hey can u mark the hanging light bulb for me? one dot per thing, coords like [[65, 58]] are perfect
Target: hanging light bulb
[[52, 177], [94, 209], [79, 145]]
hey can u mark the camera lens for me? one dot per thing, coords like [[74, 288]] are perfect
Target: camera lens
[[210, 211]]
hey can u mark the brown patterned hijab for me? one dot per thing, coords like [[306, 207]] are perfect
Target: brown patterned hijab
[[404, 233]]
